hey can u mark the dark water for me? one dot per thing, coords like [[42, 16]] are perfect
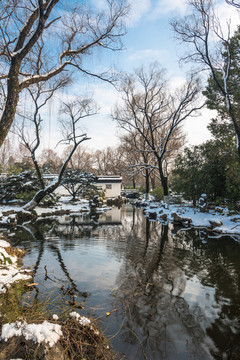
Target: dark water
[[171, 294]]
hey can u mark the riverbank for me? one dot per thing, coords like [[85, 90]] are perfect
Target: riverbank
[[29, 331], [11, 215], [218, 221]]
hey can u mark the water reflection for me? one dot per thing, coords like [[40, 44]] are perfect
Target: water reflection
[[172, 294]]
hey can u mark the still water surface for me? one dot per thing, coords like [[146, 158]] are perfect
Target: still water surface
[[171, 294]]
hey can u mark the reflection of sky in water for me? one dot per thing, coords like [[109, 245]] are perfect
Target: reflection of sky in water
[[85, 259], [173, 295], [204, 297]]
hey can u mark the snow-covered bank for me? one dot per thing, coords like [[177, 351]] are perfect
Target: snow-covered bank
[[69, 338], [30, 331], [46, 332], [219, 220], [9, 269], [13, 215]]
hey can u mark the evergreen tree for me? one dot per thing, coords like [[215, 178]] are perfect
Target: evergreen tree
[[212, 168], [216, 98], [187, 175]]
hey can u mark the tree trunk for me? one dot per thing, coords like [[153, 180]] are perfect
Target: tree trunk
[[237, 130], [194, 198], [153, 181], [164, 179], [134, 183], [38, 171], [40, 195], [147, 184], [11, 100]]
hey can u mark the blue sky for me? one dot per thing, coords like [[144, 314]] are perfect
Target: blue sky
[[149, 38]]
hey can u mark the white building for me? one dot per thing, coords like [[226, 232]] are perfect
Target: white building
[[111, 185]]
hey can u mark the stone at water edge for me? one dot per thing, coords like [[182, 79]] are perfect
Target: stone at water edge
[[215, 224]]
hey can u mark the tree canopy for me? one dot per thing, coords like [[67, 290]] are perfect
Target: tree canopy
[[211, 167]]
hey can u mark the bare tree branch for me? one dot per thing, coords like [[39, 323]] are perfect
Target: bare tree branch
[[27, 29], [209, 48]]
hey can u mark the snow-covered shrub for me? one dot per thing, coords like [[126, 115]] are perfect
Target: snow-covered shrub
[[20, 187], [79, 183]]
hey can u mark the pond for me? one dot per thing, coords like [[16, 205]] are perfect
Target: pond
[[157, 291]]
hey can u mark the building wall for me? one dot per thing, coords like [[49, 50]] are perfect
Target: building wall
[[112, 190], [111, 185], [61, 191]]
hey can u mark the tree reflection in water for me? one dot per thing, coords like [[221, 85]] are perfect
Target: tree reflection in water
[[149, 287], [177, 293]]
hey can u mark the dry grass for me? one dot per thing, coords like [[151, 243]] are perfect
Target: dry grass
[[77, 342], [84, 342], [20, 303]]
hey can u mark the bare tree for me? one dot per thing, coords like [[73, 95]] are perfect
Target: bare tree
[[39, 95], [42, 39], [51, 161], [106, 161], [137, 161], [74, 112], [7, 151], [211, 49], [82, 159], [157, 115], [235, 3]]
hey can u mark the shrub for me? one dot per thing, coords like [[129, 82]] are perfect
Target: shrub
[[158, 193]]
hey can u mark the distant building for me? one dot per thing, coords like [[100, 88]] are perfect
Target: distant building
[[110, 184]]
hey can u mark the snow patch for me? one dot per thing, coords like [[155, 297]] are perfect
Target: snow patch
[[45, 332], [81, 319], [9, 271], [229, 224], [4, 244]]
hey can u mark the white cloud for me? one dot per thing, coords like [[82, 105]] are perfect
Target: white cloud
[[138, 8], [177, 82], [196, 127], [227, 15], [167, 6], [100, 5], [148, 54]]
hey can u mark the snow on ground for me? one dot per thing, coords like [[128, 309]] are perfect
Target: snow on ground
[[65, 204], [46, 332], [230, 223], [9, 270], [83, 321]]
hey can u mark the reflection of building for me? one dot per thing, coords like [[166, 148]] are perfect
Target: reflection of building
[[112, 216], [111, 185]]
